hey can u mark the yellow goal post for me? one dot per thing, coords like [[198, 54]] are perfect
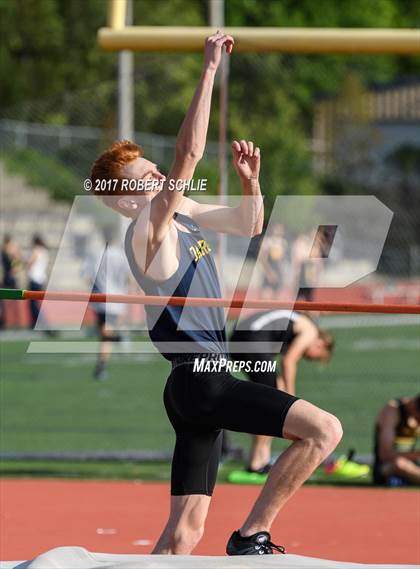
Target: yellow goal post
[[117, 36]]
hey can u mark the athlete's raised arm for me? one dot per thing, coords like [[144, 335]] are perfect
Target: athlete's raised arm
[[246, 219], [191, 139], [154, 231]]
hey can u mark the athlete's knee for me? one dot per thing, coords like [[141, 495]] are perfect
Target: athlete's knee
[[402, 464], [330, 433], [306, 422]]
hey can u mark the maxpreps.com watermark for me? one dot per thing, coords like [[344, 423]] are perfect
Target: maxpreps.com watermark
[[150, 185], [205, 365]]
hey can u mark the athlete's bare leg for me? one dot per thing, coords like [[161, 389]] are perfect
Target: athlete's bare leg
[[260, 453], [106, 335], [185, 526], [315, 433]]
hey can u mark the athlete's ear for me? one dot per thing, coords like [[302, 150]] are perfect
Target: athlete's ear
[[128, 204]]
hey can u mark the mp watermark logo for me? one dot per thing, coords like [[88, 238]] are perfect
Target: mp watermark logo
[[356, 228]]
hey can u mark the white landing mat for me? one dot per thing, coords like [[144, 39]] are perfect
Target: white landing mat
[[80, 558]]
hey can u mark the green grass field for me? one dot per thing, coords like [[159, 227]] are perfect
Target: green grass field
[[50, 403]]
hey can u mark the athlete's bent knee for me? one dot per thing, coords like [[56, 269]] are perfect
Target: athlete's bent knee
[[401, 463], [331, 432]]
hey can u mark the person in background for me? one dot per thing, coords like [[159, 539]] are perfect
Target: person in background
[[37, 268], [273, 256], [111, 278], [307, 251], [397, 428], [10, 260]]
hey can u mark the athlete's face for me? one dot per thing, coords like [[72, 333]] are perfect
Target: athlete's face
[[317, 350], [142, 181], [146, 171]]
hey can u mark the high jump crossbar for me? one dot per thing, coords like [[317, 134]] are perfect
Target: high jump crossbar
[[117, 36], [21, 294]]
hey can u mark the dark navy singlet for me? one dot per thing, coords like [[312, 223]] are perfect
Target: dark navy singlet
[[178, 330]]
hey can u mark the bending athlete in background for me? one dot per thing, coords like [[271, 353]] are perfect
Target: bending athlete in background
[[169, 256]]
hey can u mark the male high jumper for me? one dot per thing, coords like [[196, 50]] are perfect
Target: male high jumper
[[168, 256]]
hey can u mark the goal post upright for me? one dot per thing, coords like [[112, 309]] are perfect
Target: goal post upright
[[117, 10]]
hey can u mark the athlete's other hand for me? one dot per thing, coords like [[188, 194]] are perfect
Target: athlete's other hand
[[213, 49], [246, 159]]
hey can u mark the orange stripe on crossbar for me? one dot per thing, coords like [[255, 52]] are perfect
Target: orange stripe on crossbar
[[222, 302]]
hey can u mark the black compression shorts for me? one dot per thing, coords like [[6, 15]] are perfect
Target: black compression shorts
[[102, 319], [262, 377], [200, 405]]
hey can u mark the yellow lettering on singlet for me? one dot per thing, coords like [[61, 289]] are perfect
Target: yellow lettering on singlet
[[200, 250]]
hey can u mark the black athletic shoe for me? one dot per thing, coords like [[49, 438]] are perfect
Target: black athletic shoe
[[257, 544], [263, 470]]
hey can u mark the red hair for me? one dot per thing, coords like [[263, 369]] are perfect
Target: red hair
[[111, 162]]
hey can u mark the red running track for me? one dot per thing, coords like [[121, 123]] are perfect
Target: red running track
[[344, 524]]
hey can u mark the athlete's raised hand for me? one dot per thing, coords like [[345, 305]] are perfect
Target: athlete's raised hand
[[213, 49], [246, 159]]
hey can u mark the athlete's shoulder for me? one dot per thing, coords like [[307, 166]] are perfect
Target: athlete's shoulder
[[185, 214], [303, 323], [389, 413], [186, 206], [187, 222]]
